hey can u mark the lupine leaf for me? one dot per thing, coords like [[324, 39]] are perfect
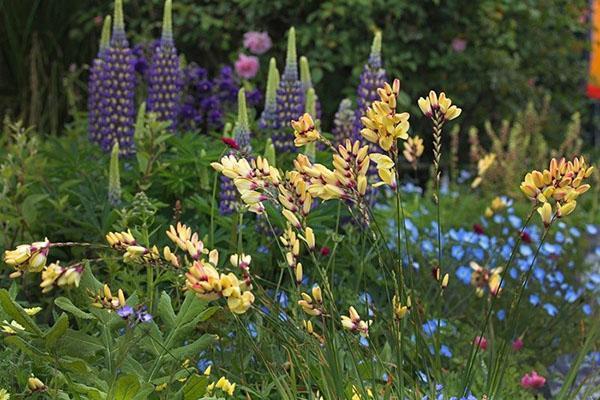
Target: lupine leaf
[[66, 305], [16, 312]]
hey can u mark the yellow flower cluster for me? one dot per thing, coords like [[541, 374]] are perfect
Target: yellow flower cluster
[[4, 395], [438, 107], [356, 394], [36, 385], [482, 277], [208, 284], [291, 243], [385, 170], [354, 323], [498, 204], [560, 184], [382, 124], [401, 310], [27, 257], [312, 305], [105, 299], [483, 165], [186, 240], [294, 197], [133, 252], [413, 150], [347, 181], [305, 131], [223, 384], [12, 327], [54, 275], [256, 180]]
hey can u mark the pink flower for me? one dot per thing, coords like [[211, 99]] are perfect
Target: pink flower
[[257, 42], [517, 344], [246, 66], [459, 44], [532, 381], [481, 342], [230, 142]]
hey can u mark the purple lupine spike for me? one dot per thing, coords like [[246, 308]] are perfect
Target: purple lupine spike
[[241, 133], [164, 76], [343, 122], [118, 99], [97, 77], [372, 78], [290, 99], [268, 117]]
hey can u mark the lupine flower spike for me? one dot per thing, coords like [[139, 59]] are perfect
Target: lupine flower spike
[[95, 88], [290, 98], [372, 78], [555, 190], [305, 78], [343, 122], [118, 97], [114, 180], [164, 75], [241, 131], [268, 118]]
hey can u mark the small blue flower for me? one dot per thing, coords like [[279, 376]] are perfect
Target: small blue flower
[[574, 231], [427, 246], [559, 237], [457, 252], [501, 314], [515, 221], [591, 229], [363, 341], [125, 311], [550, 309], [539, 274], [525, 250], [587, 309], [445, 351], [252, 329], [534, 299], [464, 274], [203, 363]]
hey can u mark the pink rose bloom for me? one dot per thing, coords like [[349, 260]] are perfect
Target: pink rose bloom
[[459, 44], [480, 342], [517, 344], [257, 42], [532, 381], [246, 66]]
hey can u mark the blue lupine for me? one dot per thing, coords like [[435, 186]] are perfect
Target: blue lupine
[[164, 75], [118, 90], [96, 80], [290, 99], [343, 122]]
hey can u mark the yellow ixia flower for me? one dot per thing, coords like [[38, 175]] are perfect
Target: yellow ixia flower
[[382, 124], [413, 150], [36, 385], [434, 106], [312, 305], [105, 299], [483, 165], [498, 204], [223, 384], [385, 170], [354, 323], [305, 130], [4, 395], [12, 327], [401, 310], [27, 257], [482, 277], [32, 311], [556, 189]]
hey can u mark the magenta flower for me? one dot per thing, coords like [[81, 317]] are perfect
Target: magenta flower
[[480, 342], [246, 66], [517, 344], [459, 44], [532, 381], [257, 42]]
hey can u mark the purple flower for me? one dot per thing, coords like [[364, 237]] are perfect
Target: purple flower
[[459, 44], [118, 90], [289, 101], [125, 312], [257, 42], [246, 66], [97, 78], [164, 75], [343, 122]]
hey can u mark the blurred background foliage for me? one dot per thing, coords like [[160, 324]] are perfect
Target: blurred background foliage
[[491, 56]]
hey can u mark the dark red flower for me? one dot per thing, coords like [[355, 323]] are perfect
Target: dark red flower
[[230, 142], [478, 229], [525, 237], [325, 251]]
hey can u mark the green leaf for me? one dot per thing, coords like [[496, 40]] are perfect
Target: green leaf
[[195, 387], [127, 387], [193, 348], [77, 343], [16, 312], [75, 364], [165, 311], [89, 281], [57, 330], [66, 305], [190, 308], [27, 348]]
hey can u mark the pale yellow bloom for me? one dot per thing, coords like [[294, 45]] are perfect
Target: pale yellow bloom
[[32, 311], [354, 323], [4, 395], [305, 130], [12, 327], [434, 106]]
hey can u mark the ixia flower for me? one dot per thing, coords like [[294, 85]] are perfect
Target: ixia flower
[[413, 150], [222, 384], [354, 323], [498, 204], [483, 165], [257, 42], [532, 381], [4, 395], [481, 342], [54, 275], [438, 107], [556, 189], [305, 131], [482, 277], [36, 385], [246, 66], [105, 299], [27, 257]]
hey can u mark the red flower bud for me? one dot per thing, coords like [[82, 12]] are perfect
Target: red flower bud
[[230, 142]]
